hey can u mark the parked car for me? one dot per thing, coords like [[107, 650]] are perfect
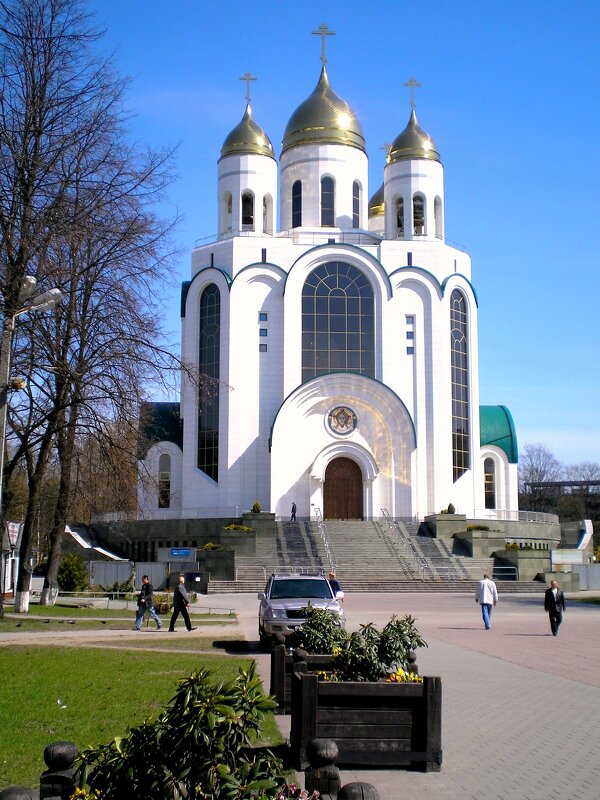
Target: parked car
[[284, 597]]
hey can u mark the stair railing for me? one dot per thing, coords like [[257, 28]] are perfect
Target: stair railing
[[420, 563], [322, 528]]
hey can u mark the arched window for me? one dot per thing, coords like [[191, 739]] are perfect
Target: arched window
[[247, 211], [355, 205], [327, 202], [208, 364], [338, 321], [267, 214], [297, 204], [227, 212], [460, 384], [437, 217], [164, 481], [419, 215], [400, 217], [489, 482]]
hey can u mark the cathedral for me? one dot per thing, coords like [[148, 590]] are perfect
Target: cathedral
[[337, 330]]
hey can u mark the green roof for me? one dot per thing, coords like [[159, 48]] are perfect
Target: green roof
[[497, 427]]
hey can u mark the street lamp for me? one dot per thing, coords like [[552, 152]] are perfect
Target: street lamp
[[28, 303]]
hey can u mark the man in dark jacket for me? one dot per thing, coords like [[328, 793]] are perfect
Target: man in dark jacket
[[145, 603], [181, 602], [554, 604]]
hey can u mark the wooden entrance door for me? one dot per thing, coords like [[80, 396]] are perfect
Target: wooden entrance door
[[343, 490]]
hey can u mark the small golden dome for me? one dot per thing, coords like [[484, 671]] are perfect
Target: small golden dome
[[413, 142], [323, 118], [376, 204], [247, 137]]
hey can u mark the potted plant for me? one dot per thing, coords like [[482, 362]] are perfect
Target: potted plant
[[370, 701]]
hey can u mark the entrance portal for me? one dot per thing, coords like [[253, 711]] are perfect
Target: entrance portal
[[343, 490]]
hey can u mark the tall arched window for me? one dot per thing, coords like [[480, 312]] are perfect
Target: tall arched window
[[327, 202], [356, 205], [419, 215], [208, 364], [489, 482], [267, 214], [437, 217], [227, 212], [400, 217], [460, 384], [247, 211], [297, 204], [338, 321], [164, 481]]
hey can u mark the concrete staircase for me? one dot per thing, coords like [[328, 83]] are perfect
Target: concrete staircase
[[372, 556]]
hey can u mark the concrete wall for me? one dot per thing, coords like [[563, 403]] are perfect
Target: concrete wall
[[589, 575], [530, 563]]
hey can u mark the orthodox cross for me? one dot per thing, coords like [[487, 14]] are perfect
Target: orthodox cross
[[413, 84], [386, 148], [248, 77], [323, 32]]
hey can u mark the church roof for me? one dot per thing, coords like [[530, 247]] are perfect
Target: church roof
[[497, 427], [323, 118], [376, 204], [413, 142], [247, 138]]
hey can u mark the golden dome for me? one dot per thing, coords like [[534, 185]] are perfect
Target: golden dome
[[376, 204], [323, 118], [247, 137], [413, 142]]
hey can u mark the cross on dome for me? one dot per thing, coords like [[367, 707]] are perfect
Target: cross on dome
[[248, 77], [323, 32], [413, 84]]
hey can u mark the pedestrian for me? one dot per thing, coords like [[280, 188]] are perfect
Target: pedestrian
[[487, 596], [145, 603], [293, 517], [554, 604], [336, 586], [181, 602]]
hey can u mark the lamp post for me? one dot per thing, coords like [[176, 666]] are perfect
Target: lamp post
[[41, 302]]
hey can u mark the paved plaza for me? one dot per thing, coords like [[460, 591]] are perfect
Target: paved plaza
[[521, 708]]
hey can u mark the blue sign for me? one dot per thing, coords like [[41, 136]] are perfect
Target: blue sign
[[179, 552]]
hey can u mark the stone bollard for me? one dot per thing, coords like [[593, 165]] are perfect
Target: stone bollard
[[323, 774], [18, 793], [412, 662], [59, 782], [358, 791]]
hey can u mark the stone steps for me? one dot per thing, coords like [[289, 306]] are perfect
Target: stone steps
[[379, 585]]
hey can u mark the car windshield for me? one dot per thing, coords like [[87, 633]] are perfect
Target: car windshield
[[300, 588]]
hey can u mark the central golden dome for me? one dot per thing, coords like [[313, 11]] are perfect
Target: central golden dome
[[323, 118], [247, 138]]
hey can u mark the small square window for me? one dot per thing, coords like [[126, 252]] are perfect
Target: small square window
[[410, 334], [410, 320], [262, 348], [410, 351], [262, 316], [263, 332]]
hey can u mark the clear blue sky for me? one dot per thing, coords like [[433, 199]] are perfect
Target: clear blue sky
[[510, 95]]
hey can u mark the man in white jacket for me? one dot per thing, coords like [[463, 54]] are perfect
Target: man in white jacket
[[487, 596]]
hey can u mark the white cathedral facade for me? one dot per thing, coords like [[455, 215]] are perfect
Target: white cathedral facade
[[342, 340]]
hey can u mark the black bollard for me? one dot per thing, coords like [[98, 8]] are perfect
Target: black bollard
[[59, 782], [358, 791], [323, 774]]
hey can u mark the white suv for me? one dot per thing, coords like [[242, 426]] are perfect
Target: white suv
[[285, 596]]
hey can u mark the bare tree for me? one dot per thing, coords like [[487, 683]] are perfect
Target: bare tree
[[537, 465], [75, 209]]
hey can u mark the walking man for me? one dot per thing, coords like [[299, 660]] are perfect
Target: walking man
[[554, 604], [487, 596], [293, 515], [145, 603], [181, 602]]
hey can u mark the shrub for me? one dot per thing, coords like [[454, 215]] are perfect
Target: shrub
[[72, 573], [198, 747], [511, 546], [321, 633], [451, 509], [478, 527], [256, 509], [212, 546]]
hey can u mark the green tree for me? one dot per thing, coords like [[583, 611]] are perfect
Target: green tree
[[72, 573]]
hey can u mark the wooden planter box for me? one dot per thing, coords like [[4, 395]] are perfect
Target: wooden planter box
[[282, 668], [373, 724]]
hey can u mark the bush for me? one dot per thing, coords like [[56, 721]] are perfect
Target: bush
[[212, 546], [478, 527], [235, 527], [321, 633], [72, 573], [451, 509], [198, 747], [256, 509]]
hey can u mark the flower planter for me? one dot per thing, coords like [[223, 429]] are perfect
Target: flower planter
[[283, 664], [373, 724]]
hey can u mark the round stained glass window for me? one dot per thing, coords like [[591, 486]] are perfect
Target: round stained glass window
[[342, 420]]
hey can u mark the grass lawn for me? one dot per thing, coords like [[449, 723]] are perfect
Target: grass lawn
[[87, 696], [593, 600]]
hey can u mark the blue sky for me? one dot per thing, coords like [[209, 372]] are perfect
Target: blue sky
[[510, 95]]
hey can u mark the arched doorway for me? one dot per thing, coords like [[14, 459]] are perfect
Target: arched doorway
[[343, 490]]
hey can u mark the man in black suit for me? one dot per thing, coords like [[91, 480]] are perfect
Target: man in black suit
[[554, 604]]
